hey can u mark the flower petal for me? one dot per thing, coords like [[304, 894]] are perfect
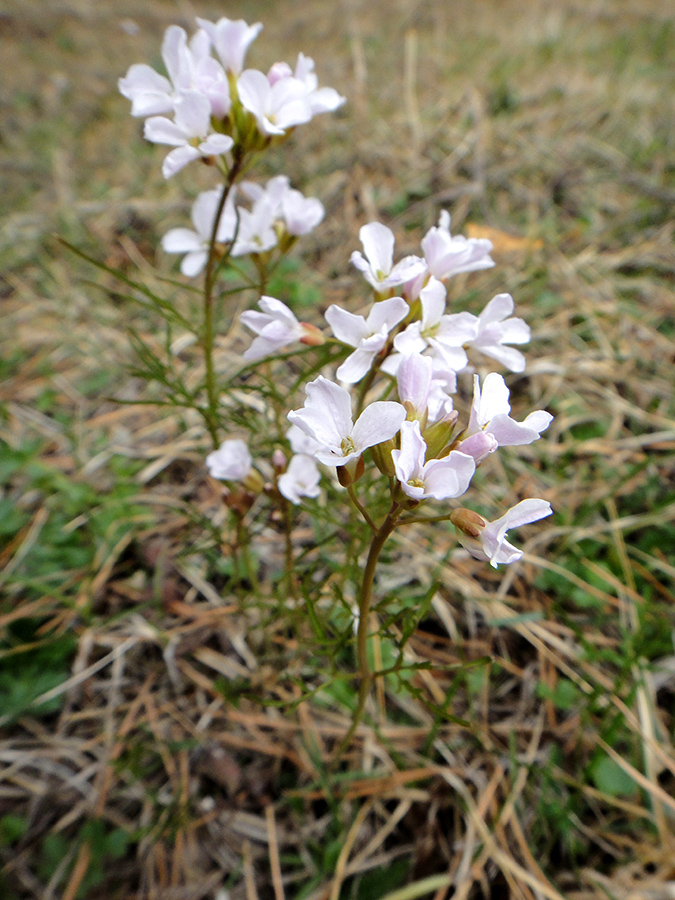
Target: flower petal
[[378, 422]]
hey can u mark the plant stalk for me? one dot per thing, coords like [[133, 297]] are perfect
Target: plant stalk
[[208, 335], [365, 598]]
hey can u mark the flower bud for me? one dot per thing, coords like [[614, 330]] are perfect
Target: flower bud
[[381, 454], [279, 461], [468, 522], [437, 436], [239, 500], [253, 482], [312, 336], [351, 471]]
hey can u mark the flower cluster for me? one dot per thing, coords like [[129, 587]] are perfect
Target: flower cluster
[[408, 345], [409, 336], [276, 215], [215, 105]]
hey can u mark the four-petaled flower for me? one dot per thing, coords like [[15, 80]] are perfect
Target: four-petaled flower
[[491, 426], [446, 255], [369, 336], [495, 329], [230, 462], [276, 106], [378, 264], [327, 417], [275, 326], [444, 335], [487, 540], [231, 40], [301, 479], [195, 244], [188, 133], [439, 479]]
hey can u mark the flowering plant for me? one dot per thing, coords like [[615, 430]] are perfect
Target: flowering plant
[[379, 411]]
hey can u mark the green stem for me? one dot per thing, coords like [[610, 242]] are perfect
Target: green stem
[[365, 597], [413, 519], [364, 388], [288, 530], [361, 508], [208, 335], [243, 546]]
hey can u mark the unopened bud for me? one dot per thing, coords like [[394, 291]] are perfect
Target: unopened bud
[[253, 482], [381, 454], [240, 501], [312, 336], [468, 522], [285, 239], [413, 414], [438, 436], [351, 471], [279, 461]]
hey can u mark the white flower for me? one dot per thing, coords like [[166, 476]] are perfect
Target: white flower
[[490, 425], [300, 214], [439, 479], [231, 40], [189, 67], [424, 395], [327, 417], [301, 479], [189, 133], [272, 194], [495, 330], [276, 326], [276, 107], [378, 265], [302, 443], [320, 99], [195, 244], [369, 335], [487, 540], [230, 462], [444, 335], [413, 378], [256, 233], [446, 255]]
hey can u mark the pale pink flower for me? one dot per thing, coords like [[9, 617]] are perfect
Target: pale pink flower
[[276, 107], [300, 214], [438, 479], [444, 335], [490, 425], [320, 99], [189, 67], [413, 378], [327, 417]]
